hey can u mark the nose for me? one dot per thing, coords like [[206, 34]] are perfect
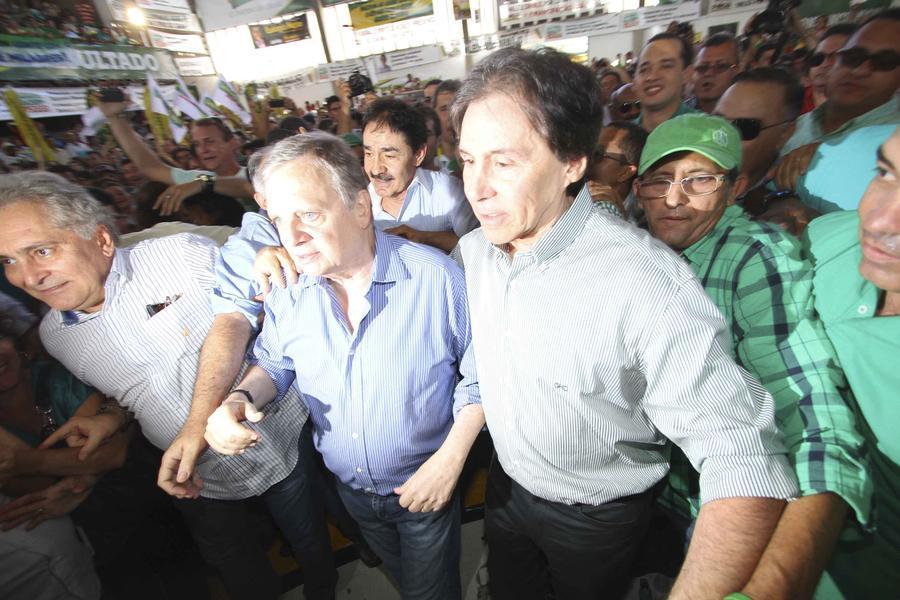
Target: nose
[[676, 196], [29, 273], [476, 181], [375, 164], [294, 237]]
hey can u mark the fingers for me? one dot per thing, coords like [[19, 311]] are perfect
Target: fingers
[[288, 268], [63, 432], [225, 434], [92, 443], [253, 414]]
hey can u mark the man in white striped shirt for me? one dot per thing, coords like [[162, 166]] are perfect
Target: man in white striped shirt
[[595, 346], [130, 322]]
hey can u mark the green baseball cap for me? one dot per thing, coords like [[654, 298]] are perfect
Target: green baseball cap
[[352, 139], [713, 137]]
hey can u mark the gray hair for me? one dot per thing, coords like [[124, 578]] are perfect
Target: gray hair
[[323, 152], [69, 206]]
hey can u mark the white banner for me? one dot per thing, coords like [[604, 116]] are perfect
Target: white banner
[[219, 14], [196, 66], [514, 11], [666, 13], [177, 42], [60, 102], [592, 26], [339, 70], [178, 6], [158, 19], [381, 64]]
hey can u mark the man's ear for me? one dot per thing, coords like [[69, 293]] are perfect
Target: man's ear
[[575, 169], [738, 188], [626, 173], [420, 155], [260, 199], [105, 241], [362, 208]]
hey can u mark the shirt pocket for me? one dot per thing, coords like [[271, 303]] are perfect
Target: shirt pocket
[[178, 329]]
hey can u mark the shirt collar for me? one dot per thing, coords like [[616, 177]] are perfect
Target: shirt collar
[[387, 266], [119, 269], [889, 108], [700, 251], [563, 232]]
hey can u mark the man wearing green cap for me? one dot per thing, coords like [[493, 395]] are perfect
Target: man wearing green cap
[[754, 272]]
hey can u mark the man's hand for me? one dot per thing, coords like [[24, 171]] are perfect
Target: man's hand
[[431, 486], [112, 109], [793, 166], [790, 214], [225, 434], [177, 472], [7, 463], [413, 235], [86, 432], [169, 202], [600, 192], [274, 264], [54, 501]]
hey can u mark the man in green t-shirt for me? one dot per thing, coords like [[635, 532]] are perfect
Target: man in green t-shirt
[[688, 178], [856, 255]]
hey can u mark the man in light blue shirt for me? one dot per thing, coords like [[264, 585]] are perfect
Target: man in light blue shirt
[[423, 206], [376, 335]]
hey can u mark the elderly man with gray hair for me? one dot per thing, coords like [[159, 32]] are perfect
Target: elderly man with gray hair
[[376, 335], [130, 322]]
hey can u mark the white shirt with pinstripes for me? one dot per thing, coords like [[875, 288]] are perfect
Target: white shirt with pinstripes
[[597, 347], [149, 363]]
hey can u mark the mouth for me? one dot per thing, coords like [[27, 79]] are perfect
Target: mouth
[[306, 258], [877, 254], [652, 90], [488, 219], [52, 290]]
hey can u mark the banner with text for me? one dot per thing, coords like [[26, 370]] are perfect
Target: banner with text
[[32, 59], [177, 42], [284, 32], [60, 102], [175, 21], [513, 12], [581, 27], [178, 6], [219, 14], [381, 12], [195, 66], [399, 60]]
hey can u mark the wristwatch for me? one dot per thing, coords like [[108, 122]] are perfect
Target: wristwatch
[[209, 181], [112, 407]]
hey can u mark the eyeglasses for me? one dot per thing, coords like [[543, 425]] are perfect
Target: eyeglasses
[[751, 128], [883, 60], [619, 158], [715, 69], [695, 185], [819, 57], [625, 107]]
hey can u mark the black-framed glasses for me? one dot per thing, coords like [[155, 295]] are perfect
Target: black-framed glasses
[[883, 60], [619, 158], [715, 68], [818, 58], [751, 128], [624, 107], [695, 185]]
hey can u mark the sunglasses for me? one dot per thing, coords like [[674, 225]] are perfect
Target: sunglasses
[[625, 107], [819, 57], [883, 60], [715, 69], [751, 128]]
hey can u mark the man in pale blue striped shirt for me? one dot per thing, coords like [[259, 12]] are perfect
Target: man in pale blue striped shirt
[[376, 335], [595, 346], [130, 322]]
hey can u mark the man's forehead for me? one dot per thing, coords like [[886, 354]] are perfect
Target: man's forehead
[[721, 51], [877, 35], [661, 50]]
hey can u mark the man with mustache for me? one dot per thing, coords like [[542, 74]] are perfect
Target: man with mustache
[[856, 255], [428, 207], [690, 175]]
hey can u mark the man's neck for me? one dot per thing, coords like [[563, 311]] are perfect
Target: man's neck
[[706, 106], [392, 205], [890, 305], [834, 117], [651, 118], [228, 170], [526, 243]]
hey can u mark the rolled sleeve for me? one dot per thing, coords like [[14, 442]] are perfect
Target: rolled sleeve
[[712, 409], [269, 356]]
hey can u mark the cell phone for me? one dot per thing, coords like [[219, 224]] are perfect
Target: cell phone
[[276, 102], [111, 95]]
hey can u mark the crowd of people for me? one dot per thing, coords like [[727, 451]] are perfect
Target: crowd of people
[[77, 22], [665, 287]]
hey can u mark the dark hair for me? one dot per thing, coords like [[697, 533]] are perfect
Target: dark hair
[[560, 98], [293, 123], [889, 14], [222, 210], [447, 86], [429, 114], [432, 82], [607, 73], [400, 117], [145, 215], [216, 122], [252, 145], [687, 52], [175, 151], [790, 85], [331, 99], [847, 29], [721, 38], [632, 142]]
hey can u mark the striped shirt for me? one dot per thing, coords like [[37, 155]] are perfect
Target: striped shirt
[[434, 201], [598, 346], [381, 398], [149, 363]]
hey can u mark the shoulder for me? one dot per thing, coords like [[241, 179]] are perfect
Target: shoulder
[[170, 243], [419, 256], [832, 235], [443, 183], [746, 238]]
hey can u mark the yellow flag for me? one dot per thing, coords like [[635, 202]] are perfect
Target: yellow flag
[[158, 123], [27, 129]]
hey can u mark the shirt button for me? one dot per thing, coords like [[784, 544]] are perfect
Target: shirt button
[[370, 490], [354, 435], [863, 309], [359, 469]]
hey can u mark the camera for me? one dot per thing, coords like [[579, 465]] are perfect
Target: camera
[[111, 95], [771, 20], [276, 102], [359, 84]]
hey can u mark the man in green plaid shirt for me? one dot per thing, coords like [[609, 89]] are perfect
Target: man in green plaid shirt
[[754, 272]]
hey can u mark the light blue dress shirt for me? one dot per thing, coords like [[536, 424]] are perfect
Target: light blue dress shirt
[[381, 398]]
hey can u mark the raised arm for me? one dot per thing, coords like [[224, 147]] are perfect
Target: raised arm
[[148, 163]]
